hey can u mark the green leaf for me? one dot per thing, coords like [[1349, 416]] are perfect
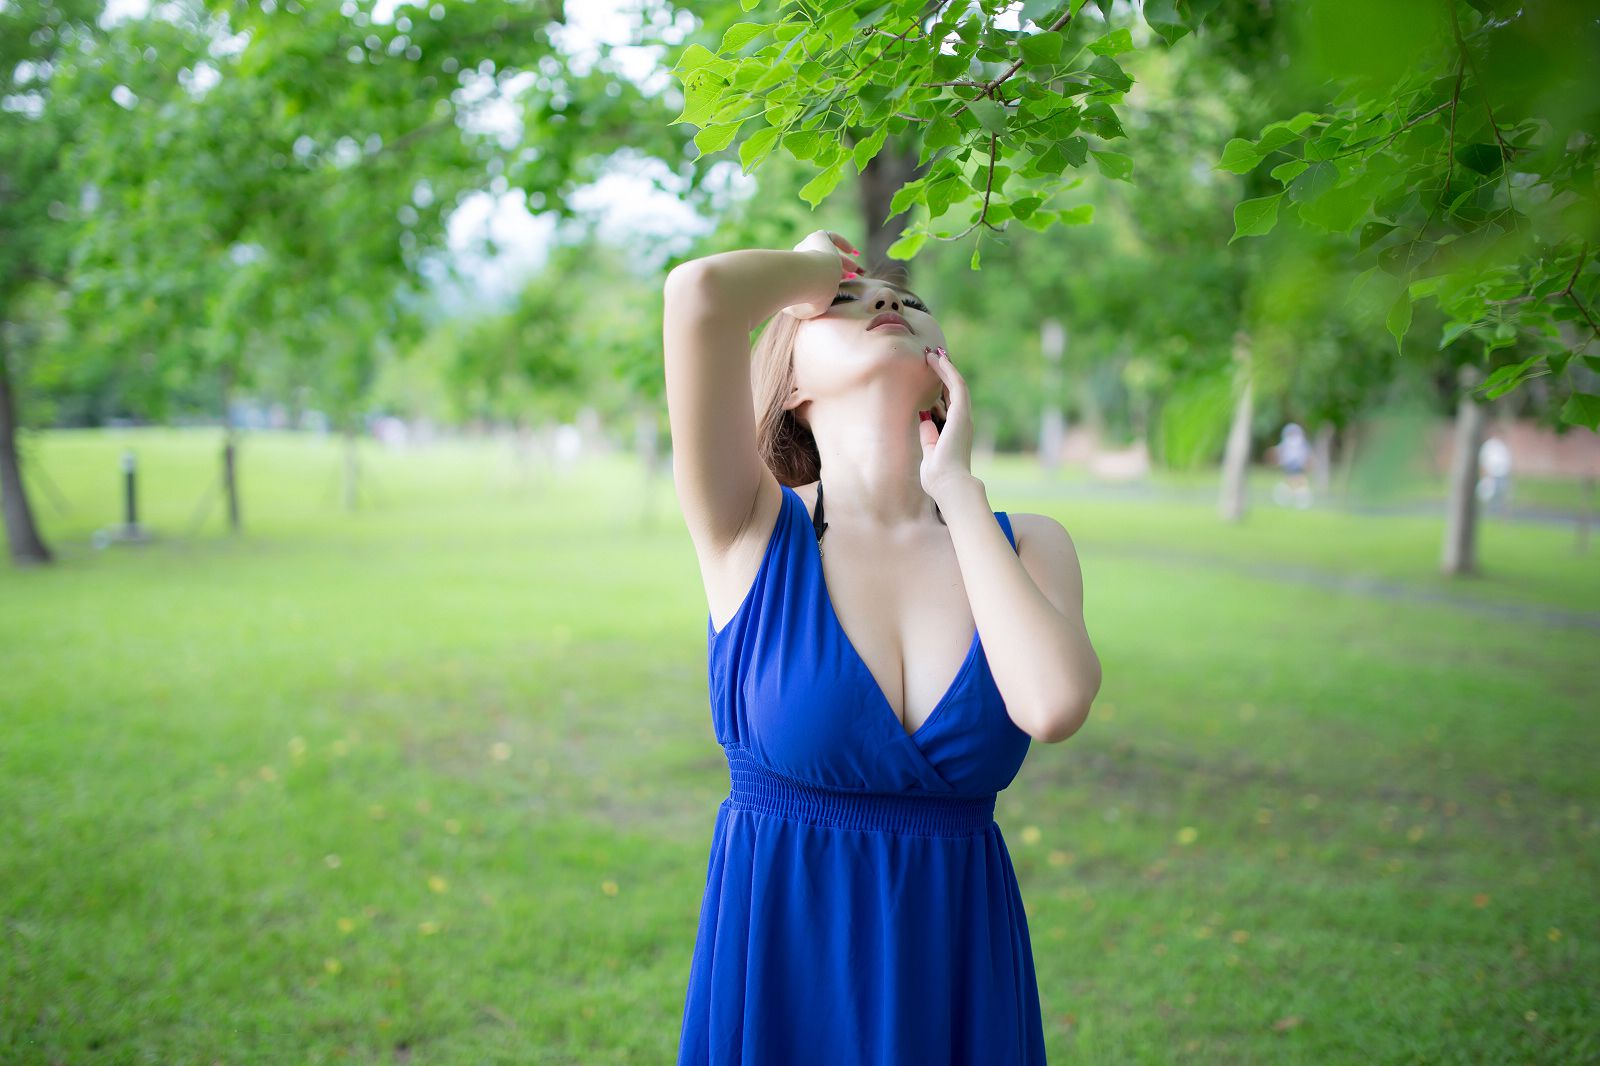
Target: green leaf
[[989, 114], [1293, 127], [1453, 330], [1582, 409], [1114, 43], [715, 138], [1114, 165], [802, 144], [748, 5], [1041, 49], [817, 189], [1287, 172], [1075, 150], [906, 246], [1110, 71], [1026, 206], [1081, 215], [1398, 320], [871, 17], [1373, 232], [942, 133], [777, 74], [1163, 17], [1317, 179], [1239, 156], [864, 151], [757, 146], [904, 197], [974, 263], [1508, 377], [942, 193], [1099, 117], [740, 34], [702, 95], [693, 58], [1254, 218]]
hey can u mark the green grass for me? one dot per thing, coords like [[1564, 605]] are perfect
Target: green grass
[[436, 778]]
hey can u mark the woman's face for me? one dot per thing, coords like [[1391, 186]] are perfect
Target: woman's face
[[842, 346]]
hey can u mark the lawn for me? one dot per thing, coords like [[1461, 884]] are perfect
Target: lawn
[[433, 780]]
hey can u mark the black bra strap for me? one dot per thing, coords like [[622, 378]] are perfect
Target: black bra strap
[[816, 518]]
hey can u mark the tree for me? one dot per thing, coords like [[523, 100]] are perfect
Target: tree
[[217, 185], [1461, 145], [1001, 115]]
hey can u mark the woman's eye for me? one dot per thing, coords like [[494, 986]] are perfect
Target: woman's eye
[[911, 301]]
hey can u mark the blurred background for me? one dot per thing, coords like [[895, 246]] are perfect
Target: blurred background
[[352, 699]]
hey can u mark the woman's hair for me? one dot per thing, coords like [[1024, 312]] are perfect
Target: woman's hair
[[784, 443]]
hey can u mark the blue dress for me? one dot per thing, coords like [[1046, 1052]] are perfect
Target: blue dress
[[860, 905]]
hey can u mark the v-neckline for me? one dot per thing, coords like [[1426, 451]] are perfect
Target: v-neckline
[[850, 645]]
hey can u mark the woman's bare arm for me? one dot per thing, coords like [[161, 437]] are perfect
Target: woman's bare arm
[[711, 305]]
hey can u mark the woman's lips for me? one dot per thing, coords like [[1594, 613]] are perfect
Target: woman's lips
[[891, 325], [883, 318]]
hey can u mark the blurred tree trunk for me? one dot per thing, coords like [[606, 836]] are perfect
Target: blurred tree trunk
[[230, 451], [1460, 554], [1236, 456], [886, 172], [1322, 459], [352, 465], [22, 534]]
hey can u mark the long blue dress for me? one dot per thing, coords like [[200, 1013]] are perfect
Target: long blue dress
[[860, 905]]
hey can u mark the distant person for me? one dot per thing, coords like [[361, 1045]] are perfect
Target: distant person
[[1294, 451], [1494, 468], [860, 904]]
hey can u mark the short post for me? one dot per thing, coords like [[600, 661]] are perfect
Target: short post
[[130, 496]]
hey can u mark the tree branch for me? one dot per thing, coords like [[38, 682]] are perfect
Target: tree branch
[[988, 187], [990, 87]]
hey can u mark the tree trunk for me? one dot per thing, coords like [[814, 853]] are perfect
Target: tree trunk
[[22, 534], [893, 166], [352, 467], [1460, 555], [1348, 438], [230, 481], [1236, 456], [1322, 459]]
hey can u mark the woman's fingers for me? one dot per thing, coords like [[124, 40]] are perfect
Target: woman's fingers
[[955, 386], [842, 242]]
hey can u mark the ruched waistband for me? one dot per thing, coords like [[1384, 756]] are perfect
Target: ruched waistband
[[756, 788]]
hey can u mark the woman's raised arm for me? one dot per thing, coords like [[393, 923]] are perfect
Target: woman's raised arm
[[711, 305]]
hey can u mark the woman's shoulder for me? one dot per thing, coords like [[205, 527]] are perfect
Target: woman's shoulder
[[1042, 529]]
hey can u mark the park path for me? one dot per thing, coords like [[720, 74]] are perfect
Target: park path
[[1355, 584], [1144, 492]]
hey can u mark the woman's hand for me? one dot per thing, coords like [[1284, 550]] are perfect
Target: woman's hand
[[947, 452], [826, 242]]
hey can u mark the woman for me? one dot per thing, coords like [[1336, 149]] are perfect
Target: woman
[[880, 658]]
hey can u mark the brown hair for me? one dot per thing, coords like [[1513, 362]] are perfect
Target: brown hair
[[783, 442]]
